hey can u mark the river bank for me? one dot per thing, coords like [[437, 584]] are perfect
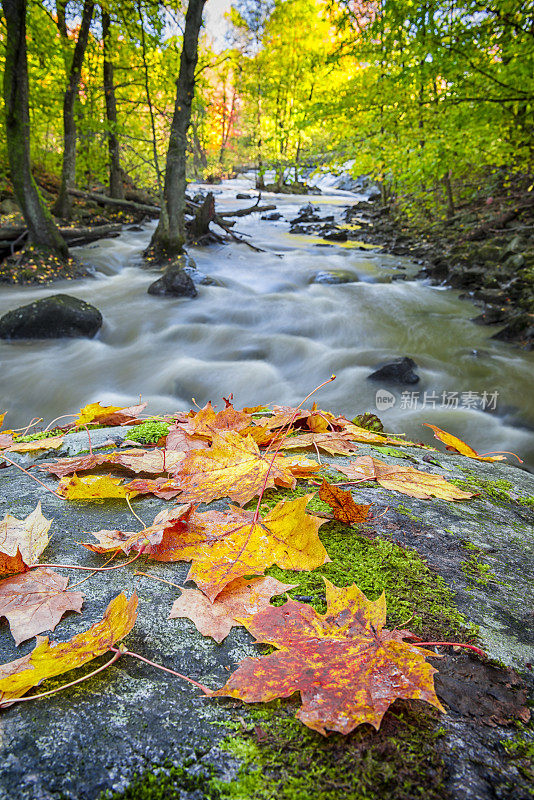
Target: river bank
[[485, 250]]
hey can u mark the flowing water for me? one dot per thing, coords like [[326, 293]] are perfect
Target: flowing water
[[268, 335]]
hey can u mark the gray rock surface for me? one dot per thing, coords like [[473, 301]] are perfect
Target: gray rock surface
[[96, 736], [54, 317], [399, 371], [175, 282]]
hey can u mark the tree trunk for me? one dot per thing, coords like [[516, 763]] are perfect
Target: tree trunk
[[169, 236], [116, 189], [42, 231], [62, 207]]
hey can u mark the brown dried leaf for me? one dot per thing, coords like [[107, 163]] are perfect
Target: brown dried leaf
[[343, 506]]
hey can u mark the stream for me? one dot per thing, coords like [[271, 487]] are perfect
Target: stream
[[268, 335]]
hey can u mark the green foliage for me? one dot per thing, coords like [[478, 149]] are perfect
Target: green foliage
[[33, 437], [149, 432]]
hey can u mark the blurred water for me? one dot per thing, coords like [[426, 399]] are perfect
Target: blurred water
[[269, 336]]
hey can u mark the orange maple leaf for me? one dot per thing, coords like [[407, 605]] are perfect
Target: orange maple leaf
[[207, 423], [333, 443], [234, 467], [399, 478], [347, 667], [35, 602], [343, 506], [241, 598], [47, 661], [457, 446]]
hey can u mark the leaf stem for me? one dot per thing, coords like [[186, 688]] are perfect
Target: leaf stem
[[154, 578], [117, 655], [48, 489], [165, 669], [476, 650], [89, 569]]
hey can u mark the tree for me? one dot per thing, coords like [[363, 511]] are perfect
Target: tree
[[63, 205], [116, 188], [169, 236], [41, 228]]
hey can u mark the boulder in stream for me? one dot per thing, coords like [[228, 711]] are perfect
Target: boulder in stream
[[176, 280], [334, 276], [399, 371], [54, 317]]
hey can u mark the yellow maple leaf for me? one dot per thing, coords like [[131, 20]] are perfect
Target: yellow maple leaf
[[457, 446], [52, 443], [93, 487]]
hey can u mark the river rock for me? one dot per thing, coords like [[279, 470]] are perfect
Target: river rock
[[399, 371], [519, 328], [334, 276], [335, 235], [9, 206], [52, 317], [243, 196], [272, 217], [175, 282], [515, 261]]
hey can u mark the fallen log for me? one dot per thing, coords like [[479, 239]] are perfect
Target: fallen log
[[243, 212], [13, 238], [129, 205]]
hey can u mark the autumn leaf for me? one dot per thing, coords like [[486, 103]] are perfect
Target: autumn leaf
[[52, 443], [457, 446], [234, 467], [241, 598], [206, 422], [333, 443], [347, 667], [343, 506], [224, 547], [134, 460], [22, 541], [93, 487], [398, 478], [47, 661], [35, 602], [178, 439], [160, 487], [108, 415], [158, 540]]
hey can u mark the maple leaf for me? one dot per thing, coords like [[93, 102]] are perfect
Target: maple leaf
[[160, 487], [35, 602], [234, 467], [343, 506], [158, 540], [224, 547], [241, 598], [92, 487], [47, 661], [179, 439], [207, 423], [22, 541], [457, 446], [52, 443], [347, 667], [134, 460], [333, 443], [407, 480], [108, 415]]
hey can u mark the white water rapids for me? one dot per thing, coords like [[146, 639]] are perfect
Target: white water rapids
[[269, 336]]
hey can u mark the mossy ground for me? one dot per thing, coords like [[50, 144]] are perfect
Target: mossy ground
[[150, 432]]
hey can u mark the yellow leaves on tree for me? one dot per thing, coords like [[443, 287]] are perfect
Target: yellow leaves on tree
[[234, 467], [398, 478], [47, 661], [22, 541], [347, 667]]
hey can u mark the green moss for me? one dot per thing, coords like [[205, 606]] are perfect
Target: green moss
[[498, 491], [400, 509], [413, 591], [149, 432], [520, 749], [33, 437], [283, 760], [168, 782]]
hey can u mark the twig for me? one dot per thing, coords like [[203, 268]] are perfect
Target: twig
[[48, 489], [154, 578], [165, 669]]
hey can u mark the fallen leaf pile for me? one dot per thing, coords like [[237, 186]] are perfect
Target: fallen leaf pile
[[347, 667]]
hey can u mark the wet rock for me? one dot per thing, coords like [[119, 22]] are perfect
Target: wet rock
[[135, 228], [243, 196], [336, 235], [466, 277], [52, 317], [273, 217], [491, 316], [515, 261], [519, 328], [399, 371], [307, 213], [175, 281], [334, 276], [8, 206]]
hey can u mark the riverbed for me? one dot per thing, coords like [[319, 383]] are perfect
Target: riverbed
[[267, 333]]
